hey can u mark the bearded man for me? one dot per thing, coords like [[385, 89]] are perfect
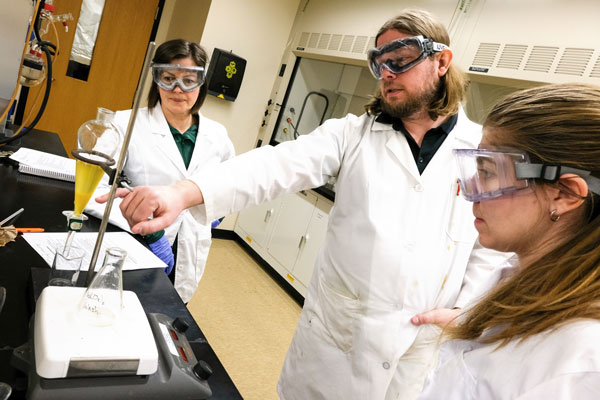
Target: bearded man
[[401, 256]]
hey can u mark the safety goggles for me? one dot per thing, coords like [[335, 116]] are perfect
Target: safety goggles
[[489, 174], [167, 76], [401, 55]]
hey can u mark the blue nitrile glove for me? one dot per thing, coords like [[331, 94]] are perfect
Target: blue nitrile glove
[[216, 223], [162, 249]]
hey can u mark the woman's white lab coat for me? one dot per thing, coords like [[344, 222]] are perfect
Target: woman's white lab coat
[[560, 365], [154, 159], [397, 244]]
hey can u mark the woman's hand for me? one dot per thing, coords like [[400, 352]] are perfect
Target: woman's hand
[[441, 317]]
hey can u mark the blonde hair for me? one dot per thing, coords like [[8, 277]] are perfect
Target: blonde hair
[[554, 124], [453, 85]]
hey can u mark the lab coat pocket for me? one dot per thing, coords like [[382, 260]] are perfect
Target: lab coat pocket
[[338, 314], [460, 226], [378, 344]]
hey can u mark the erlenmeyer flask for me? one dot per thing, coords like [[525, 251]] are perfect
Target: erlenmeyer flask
[[97, 140], [102, 301]]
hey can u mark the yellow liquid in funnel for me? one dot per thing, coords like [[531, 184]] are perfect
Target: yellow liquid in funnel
[[87, 178]]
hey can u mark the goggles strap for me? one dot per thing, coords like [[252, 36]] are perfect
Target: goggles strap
[[551, 173]]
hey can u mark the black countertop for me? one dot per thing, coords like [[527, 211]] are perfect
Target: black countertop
[[24, 273]]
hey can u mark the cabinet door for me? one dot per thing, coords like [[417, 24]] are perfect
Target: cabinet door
[[292, 222], [258, 221], [309, 249]]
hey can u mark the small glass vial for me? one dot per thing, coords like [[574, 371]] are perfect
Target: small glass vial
[[102, 301]]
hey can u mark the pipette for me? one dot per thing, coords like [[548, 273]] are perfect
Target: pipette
[[11, 216]]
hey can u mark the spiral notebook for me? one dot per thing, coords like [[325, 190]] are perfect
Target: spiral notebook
[[44, 164]]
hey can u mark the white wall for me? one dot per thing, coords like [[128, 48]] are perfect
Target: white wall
[[257, 31]]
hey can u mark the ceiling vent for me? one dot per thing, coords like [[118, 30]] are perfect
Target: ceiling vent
[[535, 63], [312, 42], [370, 44], [324, 41], [486, 54], [574, 61], [303, 39], [511, 57], [596, 69], [359, 44], [347, 43], [541, 59], [334, 44]]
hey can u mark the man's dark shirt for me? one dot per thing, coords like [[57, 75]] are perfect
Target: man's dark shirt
[[432, 140]]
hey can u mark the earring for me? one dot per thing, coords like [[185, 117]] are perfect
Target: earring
[[554, 215]]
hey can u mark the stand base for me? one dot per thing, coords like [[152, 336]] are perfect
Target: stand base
[[175, 377]]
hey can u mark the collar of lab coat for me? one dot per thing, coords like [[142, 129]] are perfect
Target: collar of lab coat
[[465, 134], [164, 140]]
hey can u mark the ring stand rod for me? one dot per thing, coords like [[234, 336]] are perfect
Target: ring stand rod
[[115, 184]]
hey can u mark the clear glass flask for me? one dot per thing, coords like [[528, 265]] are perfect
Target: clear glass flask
[[102, 302]]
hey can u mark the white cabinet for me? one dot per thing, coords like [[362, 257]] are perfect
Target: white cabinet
[[287, 233], [288, 238], [310, 243], [257, 222]]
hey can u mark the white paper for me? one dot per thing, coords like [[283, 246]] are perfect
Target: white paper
[[138, 256], [44, 161], [97, 210]]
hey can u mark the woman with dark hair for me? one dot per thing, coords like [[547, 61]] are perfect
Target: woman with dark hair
[[171, 141], [535, 187]]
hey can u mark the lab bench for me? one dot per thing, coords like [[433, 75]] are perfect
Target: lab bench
[[24, 273]]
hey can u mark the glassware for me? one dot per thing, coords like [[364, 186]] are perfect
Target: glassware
[[65, 259], [102, 302], [97, 143], [97, 140]]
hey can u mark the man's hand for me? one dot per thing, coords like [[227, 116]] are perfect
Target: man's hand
[[149, 209], [441, 317]]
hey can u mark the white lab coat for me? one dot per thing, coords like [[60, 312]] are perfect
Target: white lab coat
[[154, 159], [560, 365], [397, 244]]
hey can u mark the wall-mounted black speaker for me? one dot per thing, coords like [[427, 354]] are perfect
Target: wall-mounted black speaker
[[225, 74]]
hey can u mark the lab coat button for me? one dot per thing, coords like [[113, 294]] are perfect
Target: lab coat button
[[418, 187], [386, 365]]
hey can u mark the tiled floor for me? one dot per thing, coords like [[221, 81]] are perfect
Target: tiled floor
[[248, 319]]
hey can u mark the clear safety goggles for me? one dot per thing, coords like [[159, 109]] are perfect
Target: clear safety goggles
[[489, 174], [401, 55], [167, 76]]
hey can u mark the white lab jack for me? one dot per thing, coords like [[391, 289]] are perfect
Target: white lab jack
[[560, 365], [154, 159], [398, 243]]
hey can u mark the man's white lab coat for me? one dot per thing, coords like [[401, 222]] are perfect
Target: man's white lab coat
[[398, 243]]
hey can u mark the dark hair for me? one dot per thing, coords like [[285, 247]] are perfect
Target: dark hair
[[453, 85], [173, 50]]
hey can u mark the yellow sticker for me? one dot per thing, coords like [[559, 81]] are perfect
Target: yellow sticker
[[290, 278], [248, 239]]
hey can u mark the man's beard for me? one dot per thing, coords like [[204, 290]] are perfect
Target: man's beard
[[413, 104]]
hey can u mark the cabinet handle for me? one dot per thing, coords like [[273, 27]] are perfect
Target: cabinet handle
[[268, 215], [303, 241]]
